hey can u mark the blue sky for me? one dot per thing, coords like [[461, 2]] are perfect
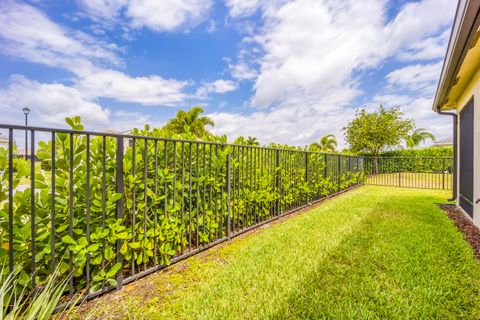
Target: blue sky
[[283, 71]]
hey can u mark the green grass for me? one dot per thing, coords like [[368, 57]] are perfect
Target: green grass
[[412, 180], [372, 253]]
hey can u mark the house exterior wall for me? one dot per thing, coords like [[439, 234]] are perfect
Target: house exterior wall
[[4, 144], [473, 90]]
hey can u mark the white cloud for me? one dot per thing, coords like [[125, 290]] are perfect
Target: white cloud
[[416, 77], [50, 103], [106, 10], [151, 90], [218, 86], [243, 8], [84, 56], [302, 63], [212, 26], [124, 120], [427, 49], [417, 21], [29, 34], [309, 52], [164, 15], [242, 71], [305, 78], [294, 124]]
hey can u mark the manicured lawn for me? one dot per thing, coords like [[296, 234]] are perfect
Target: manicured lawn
[[372, 253], [412, 180]]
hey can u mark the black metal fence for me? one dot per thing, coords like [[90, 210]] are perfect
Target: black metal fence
[[409, 172], [106, 209]]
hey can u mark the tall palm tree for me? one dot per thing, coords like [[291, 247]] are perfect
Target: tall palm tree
[[327, 143], [192, 119], [417, 137], [252, 141]]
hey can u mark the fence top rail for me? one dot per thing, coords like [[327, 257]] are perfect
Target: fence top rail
[[135, 137]]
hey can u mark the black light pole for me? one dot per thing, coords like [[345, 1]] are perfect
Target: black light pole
[[26, 111]]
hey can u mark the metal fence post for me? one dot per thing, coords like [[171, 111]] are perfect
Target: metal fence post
[[325, 167], [277, 180], [399, 174], [11, 303], [358, 169], [338, 171], [228, 195], [119, 206], [443, 173], [10, 201], [306, 176]]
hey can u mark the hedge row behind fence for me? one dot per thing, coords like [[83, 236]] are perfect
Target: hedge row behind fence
[[428, 160], [379, 165], [172, 199], [432, 152]]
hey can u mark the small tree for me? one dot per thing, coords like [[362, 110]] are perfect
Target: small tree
[[252, 141], [192, 119], [377, 131], [327, 143], [418, 136], [249, 141]]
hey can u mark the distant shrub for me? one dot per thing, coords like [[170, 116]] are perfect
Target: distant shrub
[[417, 160], [444, 152]]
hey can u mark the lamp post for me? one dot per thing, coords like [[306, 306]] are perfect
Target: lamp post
[[26, 111]]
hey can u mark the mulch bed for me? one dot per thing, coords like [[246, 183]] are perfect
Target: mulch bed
[[471, 233]]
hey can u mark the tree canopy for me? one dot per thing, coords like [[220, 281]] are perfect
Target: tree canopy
[[249, 141], [377, 131], [192, 119], [417, 137], [327, 143]]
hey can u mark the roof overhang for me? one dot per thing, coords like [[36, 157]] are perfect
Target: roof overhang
[[460, 61]]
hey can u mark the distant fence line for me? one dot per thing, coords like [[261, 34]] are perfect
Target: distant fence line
[[411, 172], [107, 212]]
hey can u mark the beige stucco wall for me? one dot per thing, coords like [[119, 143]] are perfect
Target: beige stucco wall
[[473, 90], [4, 144]]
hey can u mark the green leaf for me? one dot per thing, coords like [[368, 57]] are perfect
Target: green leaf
[[113, 270], [68, 240], [134, 245], [23, 279], [115, 197], [93, 247], [82, 242], [112, 282], [123, 235]]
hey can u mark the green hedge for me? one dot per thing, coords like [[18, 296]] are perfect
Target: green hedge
[[444, 152], [174, 196], [433, 160]]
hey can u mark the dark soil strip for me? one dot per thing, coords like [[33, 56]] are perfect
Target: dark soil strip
[[470, 232]]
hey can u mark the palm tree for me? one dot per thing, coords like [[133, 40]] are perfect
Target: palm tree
[[192, 119], [418, 136], [327, 143], [252, 141]]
